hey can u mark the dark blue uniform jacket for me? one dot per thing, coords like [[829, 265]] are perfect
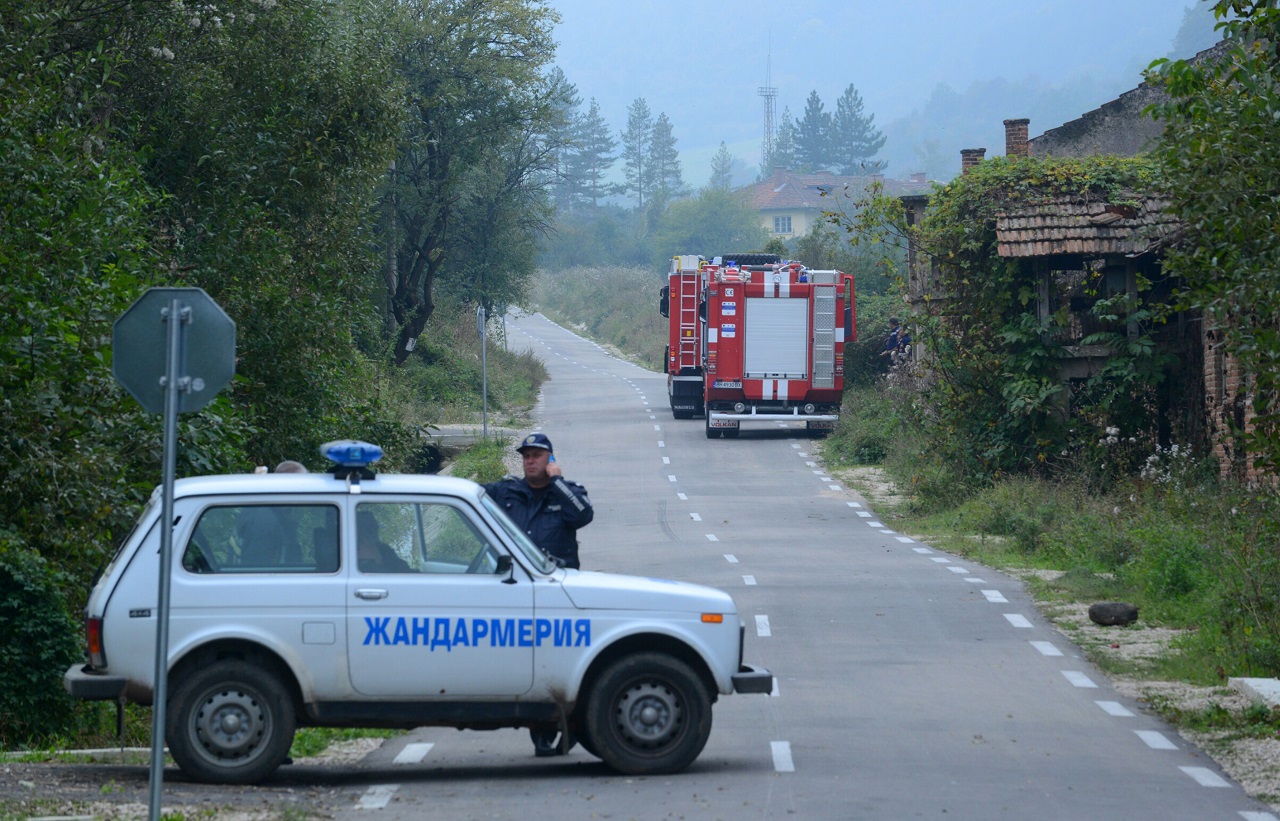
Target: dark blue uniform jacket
[[551, 522]]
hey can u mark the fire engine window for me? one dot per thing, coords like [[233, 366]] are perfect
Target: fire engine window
[[264, 539], [399, 537]]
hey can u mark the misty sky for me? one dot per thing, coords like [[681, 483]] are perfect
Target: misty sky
[[701, 61]]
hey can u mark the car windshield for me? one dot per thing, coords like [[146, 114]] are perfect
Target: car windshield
[[540, 560]]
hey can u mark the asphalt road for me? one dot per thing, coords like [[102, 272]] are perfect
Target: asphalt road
[[911, 683]]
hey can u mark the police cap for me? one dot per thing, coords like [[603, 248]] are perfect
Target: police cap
[[535, 440]]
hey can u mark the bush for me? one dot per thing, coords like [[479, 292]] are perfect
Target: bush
[[39, 642]]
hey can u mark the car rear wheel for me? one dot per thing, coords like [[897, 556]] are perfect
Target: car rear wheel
[[230, 722], [648, 714]]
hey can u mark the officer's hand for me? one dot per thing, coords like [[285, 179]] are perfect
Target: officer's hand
[[553, 469]]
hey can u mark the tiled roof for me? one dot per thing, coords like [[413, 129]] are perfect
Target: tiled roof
[[792, 190], [1069, 226]]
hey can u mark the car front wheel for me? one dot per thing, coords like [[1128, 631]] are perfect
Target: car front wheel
[[648, 714]]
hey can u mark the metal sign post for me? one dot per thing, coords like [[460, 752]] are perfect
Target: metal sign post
[[481, 321], [177, 382]]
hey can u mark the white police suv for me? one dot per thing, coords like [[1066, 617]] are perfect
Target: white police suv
[[349, 599]]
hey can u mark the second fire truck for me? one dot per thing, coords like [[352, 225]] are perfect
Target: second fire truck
[[754, 338]]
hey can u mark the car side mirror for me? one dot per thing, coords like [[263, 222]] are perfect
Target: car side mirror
[[505, 565]]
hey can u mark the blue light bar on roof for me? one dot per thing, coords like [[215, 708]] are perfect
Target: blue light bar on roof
[[351, 453]]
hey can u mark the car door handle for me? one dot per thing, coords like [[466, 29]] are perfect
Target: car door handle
[[370, 594]]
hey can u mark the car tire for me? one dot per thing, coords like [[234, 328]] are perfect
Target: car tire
[[648, 714], [230, 722]]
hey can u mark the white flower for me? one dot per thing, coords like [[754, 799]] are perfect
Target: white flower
[[1116, 509], [1113, 431]]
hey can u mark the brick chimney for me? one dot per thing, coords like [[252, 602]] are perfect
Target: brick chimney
[[1015, 138], [970, 157]]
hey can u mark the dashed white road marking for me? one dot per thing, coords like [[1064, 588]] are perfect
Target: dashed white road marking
[[775, 692], [657, 427], [955, 568], [1046, 648], [749, 580], [1205, 777], [782, 762], [695, 517], [797, 447], [976, 580], [1156, 740], [1018, 620], [1114, 708], [762, 626], [875, 524], [671, 477], [682, 497], [666, 460], [661, 444], [818, 472], [711, 537], [730, 558], [833, 487], [653, 417], [994, 596], [862, 514], [853, 504], [922, 550], [906, 539], [377, 796], [1079, 679], [413, 753], [941, 560], [1250, 815]]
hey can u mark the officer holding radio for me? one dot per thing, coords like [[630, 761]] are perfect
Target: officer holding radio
[[550, 509]]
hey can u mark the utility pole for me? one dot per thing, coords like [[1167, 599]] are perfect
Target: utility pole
[[770, 94]]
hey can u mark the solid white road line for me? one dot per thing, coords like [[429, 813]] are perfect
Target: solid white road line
[[782, 757], [1018, 620], [1155, 740], [762, 626], [1114, 708], [377, 796], [413, 753], [1205, 777]]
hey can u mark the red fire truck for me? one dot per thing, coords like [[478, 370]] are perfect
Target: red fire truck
[[754, 338]]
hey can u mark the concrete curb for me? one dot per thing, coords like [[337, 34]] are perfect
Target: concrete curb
[[1261, 690]]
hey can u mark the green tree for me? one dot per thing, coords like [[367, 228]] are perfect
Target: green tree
[[1220, 166], [813, 136], [721, 169], [636, 155], [784, 146], [713, 222], [562, 135], [664, 162], [474, 74], [855, 140], [591, 158]]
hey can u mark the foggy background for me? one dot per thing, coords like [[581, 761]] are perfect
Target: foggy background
[[939, 75]]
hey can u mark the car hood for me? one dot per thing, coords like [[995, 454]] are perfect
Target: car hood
[[608, 591]]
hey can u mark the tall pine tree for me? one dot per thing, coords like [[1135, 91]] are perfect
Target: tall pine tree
[[664, 162], [561, 136], [721, 169], [592, 157], [855, 140], [635, 150], [813, 136]]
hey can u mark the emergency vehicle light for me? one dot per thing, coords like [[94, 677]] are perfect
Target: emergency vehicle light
[[351, 453]]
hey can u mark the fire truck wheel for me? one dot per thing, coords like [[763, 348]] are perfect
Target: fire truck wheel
[[230, 723], [648, 714], [682, 414]]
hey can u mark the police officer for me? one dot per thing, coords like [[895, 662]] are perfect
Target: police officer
[[550, 509], [546, 506]]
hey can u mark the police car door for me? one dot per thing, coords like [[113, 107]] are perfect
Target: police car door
[[428, 615]]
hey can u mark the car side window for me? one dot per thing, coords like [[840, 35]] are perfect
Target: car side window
[[420, 537], [294, 538]]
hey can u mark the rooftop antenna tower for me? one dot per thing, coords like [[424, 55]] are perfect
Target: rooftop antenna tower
[[770, 94]]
